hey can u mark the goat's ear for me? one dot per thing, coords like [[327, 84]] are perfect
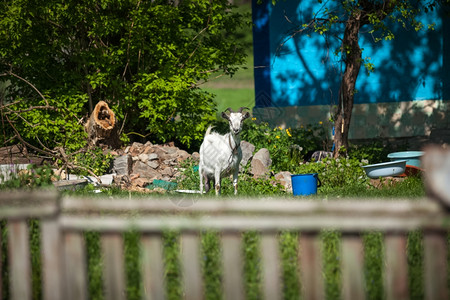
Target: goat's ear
[[246, 115], [225, 116]]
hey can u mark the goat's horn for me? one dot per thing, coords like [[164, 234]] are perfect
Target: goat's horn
[[242, 108], [229, 109]]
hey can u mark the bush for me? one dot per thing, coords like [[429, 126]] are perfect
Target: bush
[[287, 147], [337, 173], [146, 59], [32, 177], [92, 159]]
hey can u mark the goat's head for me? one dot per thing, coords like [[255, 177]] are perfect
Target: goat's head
[[235, 119]]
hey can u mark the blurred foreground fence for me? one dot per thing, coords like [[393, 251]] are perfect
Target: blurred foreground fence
[[63, 250]]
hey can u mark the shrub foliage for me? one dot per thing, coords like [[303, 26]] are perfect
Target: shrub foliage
[[143, 57]]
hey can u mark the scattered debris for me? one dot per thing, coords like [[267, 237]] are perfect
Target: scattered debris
[[73, 184]]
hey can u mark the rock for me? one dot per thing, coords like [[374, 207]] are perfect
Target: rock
[[196, 156], [122, 165], [167, 172], [137, 145], [135, 149], [284, 178], [153, 163], [182, 155], [170, 150], [152, 156], [260, 163], [162, 154], [123, 181], [142, 182], [145, 170], [247, 153], [170, 162], [143, 157]]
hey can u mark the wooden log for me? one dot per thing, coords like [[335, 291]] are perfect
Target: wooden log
[[310, 259], [19, 260], [113, 266], [352, 252], [153, 267], [102, 127], [396, 267], [233, 282]]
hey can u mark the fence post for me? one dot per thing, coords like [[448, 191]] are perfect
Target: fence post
[[271, 266], [153, 266], [310, 258], [51, 253], [396, 270], [435, 265], [19, 259], [233, 282], [75, 285], [192, 275], [352, 252], [113, 269]]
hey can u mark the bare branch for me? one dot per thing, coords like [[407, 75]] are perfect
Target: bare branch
[[29, 83]]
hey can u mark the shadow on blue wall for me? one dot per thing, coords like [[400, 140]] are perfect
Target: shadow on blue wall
[[303, 70]]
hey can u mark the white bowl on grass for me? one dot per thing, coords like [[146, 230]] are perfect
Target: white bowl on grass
[[392, 168]]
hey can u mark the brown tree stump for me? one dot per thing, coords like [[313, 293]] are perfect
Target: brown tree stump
[[102, 127]]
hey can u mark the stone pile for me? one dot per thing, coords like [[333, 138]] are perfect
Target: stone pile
[[139, 165]]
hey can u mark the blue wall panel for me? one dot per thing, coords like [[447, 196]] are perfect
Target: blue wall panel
[[303, 70]]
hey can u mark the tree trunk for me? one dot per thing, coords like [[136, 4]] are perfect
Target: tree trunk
[[102, 127], [352, 59]]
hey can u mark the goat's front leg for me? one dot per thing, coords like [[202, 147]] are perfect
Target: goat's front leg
[[217, 182], [235, 181]]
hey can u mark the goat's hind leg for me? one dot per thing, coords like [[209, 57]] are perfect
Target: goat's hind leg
[[207, 183], [217, 182], [235, 181]]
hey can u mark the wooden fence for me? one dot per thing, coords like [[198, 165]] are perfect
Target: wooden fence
[[63, 221]]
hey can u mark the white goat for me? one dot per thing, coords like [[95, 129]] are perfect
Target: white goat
[[220, 155]]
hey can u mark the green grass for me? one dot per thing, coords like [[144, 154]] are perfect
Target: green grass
[[238, 90], [233, 97]]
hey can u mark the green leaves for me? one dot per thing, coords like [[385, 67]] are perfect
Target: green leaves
[[144, 58]]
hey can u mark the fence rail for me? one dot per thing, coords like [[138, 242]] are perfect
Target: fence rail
[[63, 222]]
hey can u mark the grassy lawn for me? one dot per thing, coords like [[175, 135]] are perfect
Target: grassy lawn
[[233, 98], [238, 90]]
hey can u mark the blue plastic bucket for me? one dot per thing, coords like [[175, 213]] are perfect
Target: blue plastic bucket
[[305, 184]]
